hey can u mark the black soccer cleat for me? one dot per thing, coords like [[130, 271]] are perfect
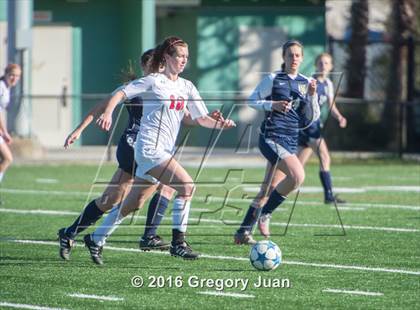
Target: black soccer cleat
[[335, 199], [94, 250], [153, 243], [183, 250], [65, 243]]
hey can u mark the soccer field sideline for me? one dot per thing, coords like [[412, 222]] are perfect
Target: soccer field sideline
[[357, 227], [297, 263]]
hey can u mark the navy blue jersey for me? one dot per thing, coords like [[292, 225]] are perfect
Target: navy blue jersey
[[125, 149], [283, 128], [135, 112]]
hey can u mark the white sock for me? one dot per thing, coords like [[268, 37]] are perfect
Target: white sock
[[110, 223], [180, 213], [1, 176]]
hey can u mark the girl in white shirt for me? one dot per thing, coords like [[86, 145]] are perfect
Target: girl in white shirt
[[11, 77], [166, 99]]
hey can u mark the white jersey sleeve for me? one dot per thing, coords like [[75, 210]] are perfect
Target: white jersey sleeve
[[258, 100], [4, 95], [195, 104], [330, 90], [139, 86], [312, 111], [117, 90]]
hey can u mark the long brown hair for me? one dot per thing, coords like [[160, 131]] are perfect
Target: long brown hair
[[128, 73], [168, 46]]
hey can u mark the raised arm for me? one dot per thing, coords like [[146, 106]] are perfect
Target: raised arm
[[98, 109], [312, 111], [105, 120], [187, 120], [258, 100], [342, 121], [208, 122], [129, 91]]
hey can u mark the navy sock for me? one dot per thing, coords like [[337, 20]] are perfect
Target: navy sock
[[250, 219], [155, 213], [88, 217], [326, 184], [273, 202]]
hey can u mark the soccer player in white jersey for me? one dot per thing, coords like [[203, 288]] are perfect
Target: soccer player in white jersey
[[310, 139], [166, 99], [11, 77]]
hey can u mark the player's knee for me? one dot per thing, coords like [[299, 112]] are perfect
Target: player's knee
[[167, 192], [297, 179], [7, 160], [188, 189]]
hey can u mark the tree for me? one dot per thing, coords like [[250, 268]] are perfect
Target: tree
[[356, 66], [402, 28]]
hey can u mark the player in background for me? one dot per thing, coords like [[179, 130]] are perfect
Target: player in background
[[11, 77], [169, 97], [122, 179], [310, 139], [290, 102]]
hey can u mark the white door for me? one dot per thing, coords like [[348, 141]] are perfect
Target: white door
[[51, 79]]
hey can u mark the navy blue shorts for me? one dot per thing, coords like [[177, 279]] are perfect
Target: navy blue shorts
[[125, 153], [274, 150], [313, 132]]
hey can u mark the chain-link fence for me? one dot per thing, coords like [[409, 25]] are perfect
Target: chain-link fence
[[368, 126]]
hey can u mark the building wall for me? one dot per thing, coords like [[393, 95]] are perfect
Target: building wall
[[215, 32], [111, 35]]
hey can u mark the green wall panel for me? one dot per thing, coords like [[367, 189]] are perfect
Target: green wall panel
[[111, 35]]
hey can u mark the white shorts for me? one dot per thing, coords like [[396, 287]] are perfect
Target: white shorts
[[147, 157]]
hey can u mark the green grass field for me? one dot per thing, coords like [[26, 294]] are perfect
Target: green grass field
[[375, 256]]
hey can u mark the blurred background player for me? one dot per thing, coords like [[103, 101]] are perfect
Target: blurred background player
[[310, 139], [11, 77], [289, 100], [169, 96]]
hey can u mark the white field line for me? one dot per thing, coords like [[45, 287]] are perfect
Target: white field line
[[349, 190], [212, 199], [46, 181], [320, 265], [223, 294], [349, 209], [107, 298], [25, 306], [194, 221], [332, 290]]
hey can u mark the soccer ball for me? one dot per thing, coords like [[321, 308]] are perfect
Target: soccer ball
[[265, 255]]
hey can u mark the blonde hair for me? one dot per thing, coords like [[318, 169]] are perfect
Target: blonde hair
[[11, 67], [324, 54]]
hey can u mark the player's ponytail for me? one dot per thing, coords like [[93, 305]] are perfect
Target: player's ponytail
[[283, 67], [128, 74]]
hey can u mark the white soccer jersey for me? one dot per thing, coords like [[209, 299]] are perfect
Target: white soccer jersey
[[164, 104], [330, 90], [4, 95]]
